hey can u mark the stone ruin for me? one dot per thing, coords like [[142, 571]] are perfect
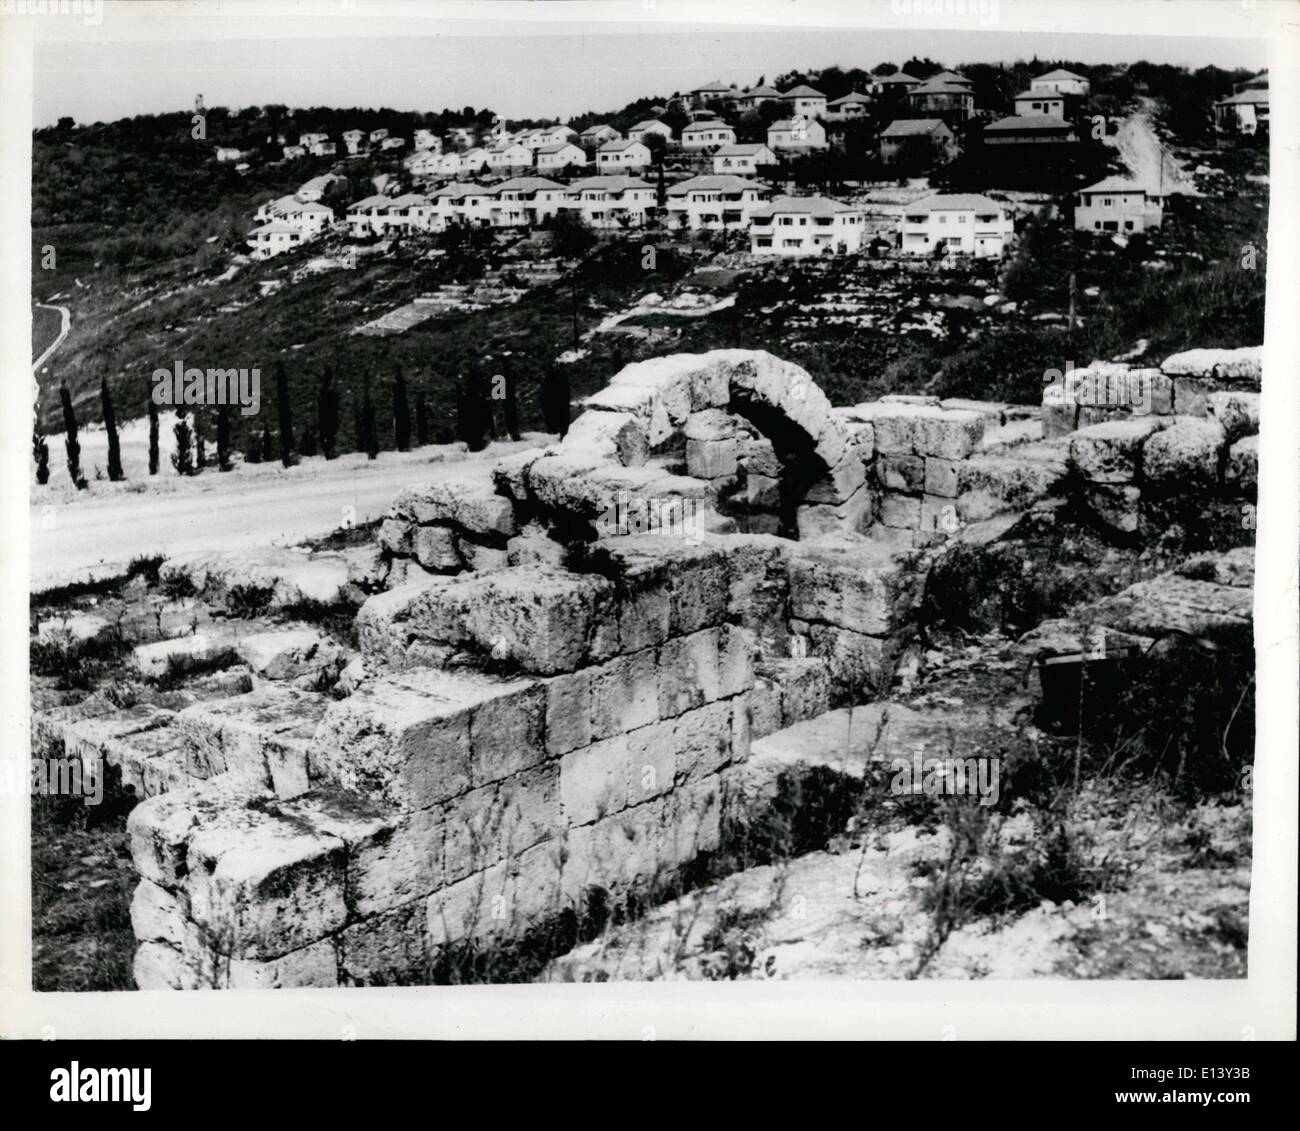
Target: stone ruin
[[545, 705]]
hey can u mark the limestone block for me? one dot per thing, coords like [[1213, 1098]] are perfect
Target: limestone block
[[624, 694], [1115, 504], [289, 653], [941, 477], [839, 586], [1184, 456], [1242, 470], [568, 712], [900, 511], [1112, 452], [610, 436], [1242, 367], [1236, 412], [261, 886], [395, 536]]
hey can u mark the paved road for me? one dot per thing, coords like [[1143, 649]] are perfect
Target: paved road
[[94, 535]]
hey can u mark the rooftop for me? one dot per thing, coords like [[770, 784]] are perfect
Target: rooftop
[[803, 90], [911, 127], [716, 182], [1028, 123], [955, 202], [811, 205]]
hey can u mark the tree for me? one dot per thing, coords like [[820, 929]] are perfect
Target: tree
[[182, 458], [571, 233], [309, 441], [555, 400], [153, 435], [41, 453], [115, 473], [401, 413], [327, 415], [368, 423], [223, 438], [70, 443], [286, 422]]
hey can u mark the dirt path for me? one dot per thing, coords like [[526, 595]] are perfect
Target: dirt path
[[1150, 163], [66, 315]]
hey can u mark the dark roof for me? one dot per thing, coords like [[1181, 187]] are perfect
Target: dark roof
[[1028, 123]]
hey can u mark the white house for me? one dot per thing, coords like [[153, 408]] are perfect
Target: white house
[[307, 141], [311, 218], [511, 155], [612, 201], [448, 207], [617, 156], [476, 205], [805, 225], [376, 136], [277, 209], [364, 216], [472, 160], [929, 139], [752, 98], [803, 101], [226, 153], [316, 188], [426, 139], [961, 223], [409, 212], [1022, 129], [599, 134], [1061, 81], [650, 126], [354, 141], [714, 202], [707, 135], [556, 135], [716, 91], [425, 163], [849, 108], [522, 201], [560, 156], [1246, 111], [393, 143], [936, 97], [323, 149], [796, 133], [1116, 205], [275, 239], [1046, 103], [742, 159], [295, 151], [447, 165]]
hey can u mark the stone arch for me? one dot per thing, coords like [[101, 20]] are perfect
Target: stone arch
[[650, 406]]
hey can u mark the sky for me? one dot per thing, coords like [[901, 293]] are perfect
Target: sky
[[123, 60]]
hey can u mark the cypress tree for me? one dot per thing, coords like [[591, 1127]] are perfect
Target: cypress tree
[[369, 435], [70, 442], [115, 474], [153, 435], [286, 423], [555, 400], [327, 415], [223, 438], [41, 453], [401, 413], [182, 458]]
